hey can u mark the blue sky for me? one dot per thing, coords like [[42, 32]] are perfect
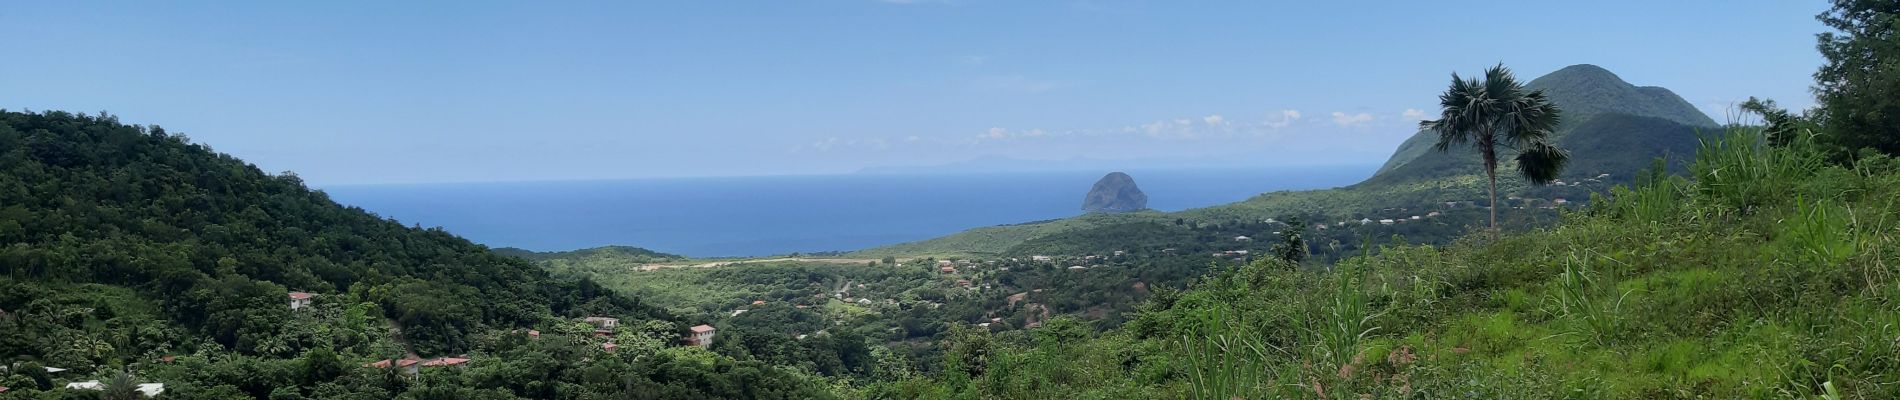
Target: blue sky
[[389, 92]]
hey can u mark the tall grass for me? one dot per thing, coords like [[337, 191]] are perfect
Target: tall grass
[[1227, 365], [1591, 300], [1736, 169]]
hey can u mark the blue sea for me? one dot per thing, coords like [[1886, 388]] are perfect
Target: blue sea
[[754, 216]]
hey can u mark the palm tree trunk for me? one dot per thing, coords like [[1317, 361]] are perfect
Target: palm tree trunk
[[1491, 174]]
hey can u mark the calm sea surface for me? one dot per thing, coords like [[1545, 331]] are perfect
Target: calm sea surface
[[750, 216]]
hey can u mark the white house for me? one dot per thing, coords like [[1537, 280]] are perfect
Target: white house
[[299, 300], [1365, 221], [1039, 258], [147, 389], [702, 336], [1385, 222], [1242, 239]]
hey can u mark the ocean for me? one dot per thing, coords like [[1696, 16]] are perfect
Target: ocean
[[755, 216]]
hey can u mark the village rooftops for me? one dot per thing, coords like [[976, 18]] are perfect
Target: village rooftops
[[301, 295], [702, 328], [445, 362]]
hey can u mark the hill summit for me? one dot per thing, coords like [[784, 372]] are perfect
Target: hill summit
[[1115, 192]]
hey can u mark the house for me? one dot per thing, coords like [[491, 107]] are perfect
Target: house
[[1433, 214], [1385, 222], [946, 263], [147, 389], [1560, 200], [1119, 253], [602, 322], [864, 301], [534, 334], [609, 347], [758, 302], [963, 282], [1319, 227], [946, 270], [150, 389], [702, 336], [408, 365], [447, 362], [1242, 239], [736, 313], [1039, 258], [1365, 221], [299, 300], [1415, 218], [1077, 268]]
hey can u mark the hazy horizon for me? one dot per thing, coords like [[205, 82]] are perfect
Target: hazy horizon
[[361, 93]]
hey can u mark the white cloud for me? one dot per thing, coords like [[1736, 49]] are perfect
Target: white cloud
[[1413, 114], [1351, 120], [994, 134], [1286, 118], [1034, 133], [1215, 120], [973, 60]]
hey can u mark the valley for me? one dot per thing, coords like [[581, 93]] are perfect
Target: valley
[[602, 203]]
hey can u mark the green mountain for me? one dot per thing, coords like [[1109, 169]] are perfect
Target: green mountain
[[1584, 92], [1611, 127], [126, 247]]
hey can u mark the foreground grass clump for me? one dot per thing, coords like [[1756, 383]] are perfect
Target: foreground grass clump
[[1771, 274]]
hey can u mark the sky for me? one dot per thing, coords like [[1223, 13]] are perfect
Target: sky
[[352, 92]]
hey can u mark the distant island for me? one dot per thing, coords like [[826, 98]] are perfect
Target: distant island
[[1115, 193]]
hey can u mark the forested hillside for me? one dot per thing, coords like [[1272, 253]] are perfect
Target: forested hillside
[[128, 247]]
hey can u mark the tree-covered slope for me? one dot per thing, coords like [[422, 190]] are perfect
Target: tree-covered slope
[[128, 246]]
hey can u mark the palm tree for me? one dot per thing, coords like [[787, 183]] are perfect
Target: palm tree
[[1498, 111], [120, 386]]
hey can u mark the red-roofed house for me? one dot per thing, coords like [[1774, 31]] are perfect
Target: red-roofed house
[[299, 300], [446, 362], [702, 336], [758, 302], [609, 347], [946, 270]]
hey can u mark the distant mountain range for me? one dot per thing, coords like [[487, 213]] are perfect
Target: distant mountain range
[[1610, 127]]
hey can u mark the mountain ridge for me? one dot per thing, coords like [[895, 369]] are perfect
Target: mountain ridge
[[1591, 96]]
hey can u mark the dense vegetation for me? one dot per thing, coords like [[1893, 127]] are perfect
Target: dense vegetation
[[128, 247], [1769, 275]]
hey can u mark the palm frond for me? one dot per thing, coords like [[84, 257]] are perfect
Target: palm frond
[[1540, 162]]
